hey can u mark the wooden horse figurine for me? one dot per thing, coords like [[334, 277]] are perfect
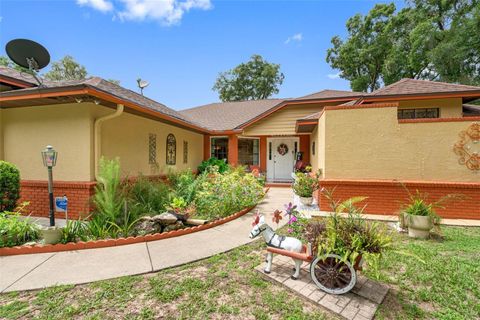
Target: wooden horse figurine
[[274, 240]]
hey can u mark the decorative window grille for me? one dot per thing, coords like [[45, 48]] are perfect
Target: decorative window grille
[[171, 150], [185, 151], [313, 148], [152, 148]]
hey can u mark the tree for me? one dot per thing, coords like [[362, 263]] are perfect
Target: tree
[[253, 80], [6, 62], [66, 69], [360, 59], [428, 39]]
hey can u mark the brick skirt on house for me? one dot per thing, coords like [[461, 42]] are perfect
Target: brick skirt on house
[[387, 196], [78, 194]]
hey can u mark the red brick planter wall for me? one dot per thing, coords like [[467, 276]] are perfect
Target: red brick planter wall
[[386, 197], [36, 192]]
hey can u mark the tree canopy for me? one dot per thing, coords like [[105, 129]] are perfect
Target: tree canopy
[[253, 80], [428, 39], [66, 69]]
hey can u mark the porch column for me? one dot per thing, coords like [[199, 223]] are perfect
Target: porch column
[[206, 147], [263, 154], [233, 150], [305, 147]]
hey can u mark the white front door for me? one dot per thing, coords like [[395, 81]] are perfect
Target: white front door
[[281, 161]]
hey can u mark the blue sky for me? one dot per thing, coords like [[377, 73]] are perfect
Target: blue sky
[[181, 46]]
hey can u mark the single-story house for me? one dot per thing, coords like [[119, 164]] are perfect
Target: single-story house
[[423, 134]]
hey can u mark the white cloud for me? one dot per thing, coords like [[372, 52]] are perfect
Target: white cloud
[[100, 5], [298, 37], [167, 12], [334, 75]]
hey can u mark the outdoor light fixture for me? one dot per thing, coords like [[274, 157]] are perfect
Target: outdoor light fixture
[[49, 156]]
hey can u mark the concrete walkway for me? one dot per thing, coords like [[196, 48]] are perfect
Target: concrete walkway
[[35, 271]]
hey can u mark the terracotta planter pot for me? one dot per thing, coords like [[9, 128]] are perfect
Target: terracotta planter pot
[[419, 226], [51, 235], [306, 201]]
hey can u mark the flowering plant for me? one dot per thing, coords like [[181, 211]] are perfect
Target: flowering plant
[[292, 212]]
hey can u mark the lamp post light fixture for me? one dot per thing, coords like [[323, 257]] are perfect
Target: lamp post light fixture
[[49, 156]]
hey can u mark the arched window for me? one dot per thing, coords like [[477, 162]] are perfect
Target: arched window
[[171, 150]]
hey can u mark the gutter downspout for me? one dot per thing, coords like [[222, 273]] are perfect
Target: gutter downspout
[[97, 135]]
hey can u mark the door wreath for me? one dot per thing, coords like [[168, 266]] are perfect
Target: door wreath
[[282, 149]]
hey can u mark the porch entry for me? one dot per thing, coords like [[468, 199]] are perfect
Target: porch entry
[[281, 153]]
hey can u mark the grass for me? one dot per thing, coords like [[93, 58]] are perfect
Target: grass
[[446, 286], [226, 286]]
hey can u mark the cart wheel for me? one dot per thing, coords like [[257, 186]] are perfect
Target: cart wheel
[[332, 275]]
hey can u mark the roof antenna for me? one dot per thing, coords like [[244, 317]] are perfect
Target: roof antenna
[[142, 84], [28, 54]]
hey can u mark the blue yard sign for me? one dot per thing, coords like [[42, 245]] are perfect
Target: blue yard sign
[[61, 204]]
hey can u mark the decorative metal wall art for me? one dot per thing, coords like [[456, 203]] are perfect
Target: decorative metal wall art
[[152, 148], [468, 147], [185, 151], [171, 150]]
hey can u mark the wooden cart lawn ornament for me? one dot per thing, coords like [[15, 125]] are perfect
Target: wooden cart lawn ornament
[[328, 272]]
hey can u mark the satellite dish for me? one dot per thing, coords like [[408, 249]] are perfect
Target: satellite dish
[[142, 84], [28, 54]]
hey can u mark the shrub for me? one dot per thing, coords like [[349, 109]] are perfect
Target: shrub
[[110, 202], [16, 230], [221, 165], [219, 195], [183, 185], [74, 231], [9, 186], [148, 197], [305, 185]]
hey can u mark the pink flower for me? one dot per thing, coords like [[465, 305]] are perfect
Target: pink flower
[[290, 230]]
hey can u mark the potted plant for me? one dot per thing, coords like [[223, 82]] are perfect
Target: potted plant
[[420, 214], [304, 187]]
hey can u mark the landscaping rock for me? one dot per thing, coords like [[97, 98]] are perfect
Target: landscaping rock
[[165, 218], [176, 226], [147, 225]]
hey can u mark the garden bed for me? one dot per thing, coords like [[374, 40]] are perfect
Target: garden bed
[[8, 251]]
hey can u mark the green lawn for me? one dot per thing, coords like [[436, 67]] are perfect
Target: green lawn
[[447, 286], [227, 287]]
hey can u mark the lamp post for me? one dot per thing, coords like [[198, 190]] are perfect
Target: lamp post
[[49, 156]]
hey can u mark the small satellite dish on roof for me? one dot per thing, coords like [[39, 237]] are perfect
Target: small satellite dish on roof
[[142, 84], [28, 54]]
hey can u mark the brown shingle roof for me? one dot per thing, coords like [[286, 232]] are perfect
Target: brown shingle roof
[[17, 75], [101, 85], [229, 115], [331, 94], [412, 86]]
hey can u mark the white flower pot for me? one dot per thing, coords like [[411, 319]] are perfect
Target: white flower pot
[[419, 226], [51, 235], [306, 201]]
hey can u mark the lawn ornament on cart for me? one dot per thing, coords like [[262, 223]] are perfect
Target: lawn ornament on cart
[[329, 272], [274, 240]]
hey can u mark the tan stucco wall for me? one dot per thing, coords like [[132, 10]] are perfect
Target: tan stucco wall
[[449, 108], [314, 157], [321, 143], [66, 127], [371, 144], [127, 137], [282, 122]]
